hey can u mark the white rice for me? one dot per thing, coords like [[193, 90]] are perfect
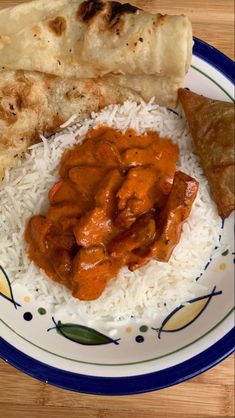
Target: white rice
[[147, 293]]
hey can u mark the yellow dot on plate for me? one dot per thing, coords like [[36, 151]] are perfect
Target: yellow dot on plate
[[222, 266], [129, 330], [26, 299]]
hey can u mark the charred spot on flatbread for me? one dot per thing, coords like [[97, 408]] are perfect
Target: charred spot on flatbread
[[116, 13], [48, 80], [18, 95], [73, 93], [118, 9], [161, 20], [58, 25], [37, 31], [88, 9], [113, 11], [8, 115], [52, 126]]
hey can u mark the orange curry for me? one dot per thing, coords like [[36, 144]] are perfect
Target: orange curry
[[119, 202]]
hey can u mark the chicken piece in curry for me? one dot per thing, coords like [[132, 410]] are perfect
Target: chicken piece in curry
[[119, 202]]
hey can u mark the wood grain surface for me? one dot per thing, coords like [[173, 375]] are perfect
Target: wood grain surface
[[210, 394]]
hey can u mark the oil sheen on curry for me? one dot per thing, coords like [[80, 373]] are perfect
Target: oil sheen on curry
[[119, 202]]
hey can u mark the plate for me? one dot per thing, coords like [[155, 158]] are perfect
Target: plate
[[139, 358]]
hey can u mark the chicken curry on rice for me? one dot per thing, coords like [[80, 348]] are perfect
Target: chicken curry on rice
[[119, 202]]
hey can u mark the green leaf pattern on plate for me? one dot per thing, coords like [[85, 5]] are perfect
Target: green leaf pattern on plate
[[81, 334]]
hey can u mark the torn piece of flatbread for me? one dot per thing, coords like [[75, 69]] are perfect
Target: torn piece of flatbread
[[33, 103], [89, 39], [211, 123]]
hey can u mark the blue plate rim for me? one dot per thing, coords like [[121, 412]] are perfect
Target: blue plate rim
[[116, 386], [214, 57], [145, 382]]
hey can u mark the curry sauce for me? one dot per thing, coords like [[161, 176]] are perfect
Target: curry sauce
[[119, 202]]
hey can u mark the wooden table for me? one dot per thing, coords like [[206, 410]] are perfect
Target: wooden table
[[207, 395]]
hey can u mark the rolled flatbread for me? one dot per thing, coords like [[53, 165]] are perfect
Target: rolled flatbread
[[89, 39]]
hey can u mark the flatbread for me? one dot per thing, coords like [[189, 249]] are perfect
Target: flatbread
[[89, 39], [211, 123], [33, 103], [65, 57], [163, 89]]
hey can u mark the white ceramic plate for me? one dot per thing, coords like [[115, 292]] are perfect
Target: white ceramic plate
[[141, 358]]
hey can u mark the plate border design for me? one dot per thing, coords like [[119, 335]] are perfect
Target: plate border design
[[144, 382], [121, 385], [214, 57], [118, 364]]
